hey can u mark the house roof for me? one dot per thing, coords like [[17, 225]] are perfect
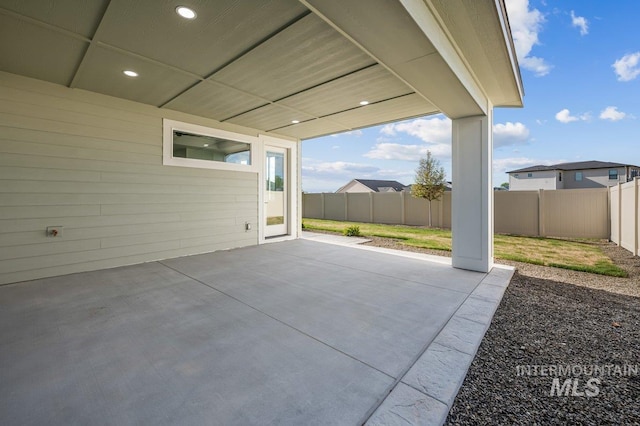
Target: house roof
[[580, 165], [376, 185], [289, 68]]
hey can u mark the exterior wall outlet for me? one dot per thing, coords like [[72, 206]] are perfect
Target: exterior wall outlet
[[247, 226], [54, 231]]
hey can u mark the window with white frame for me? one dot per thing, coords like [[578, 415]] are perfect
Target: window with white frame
[[191, 145], [578, 176], [613, 174]]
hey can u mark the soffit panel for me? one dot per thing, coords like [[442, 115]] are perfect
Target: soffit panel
[[79, 16], [38, 52], [212, 100], [222, 30], [102, 73], [407, 50], [394, 109], [400, 41], [269, 117], [441, 84], [483, 46], [303, 55], [372, 84], [308, 68], [312, 129]]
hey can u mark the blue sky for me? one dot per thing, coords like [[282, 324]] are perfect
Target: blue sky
[[580, 64]]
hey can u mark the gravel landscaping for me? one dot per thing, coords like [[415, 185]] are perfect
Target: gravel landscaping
[[549, 319]]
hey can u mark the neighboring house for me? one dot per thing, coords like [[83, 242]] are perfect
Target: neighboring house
[[371, 185], [582, 174]]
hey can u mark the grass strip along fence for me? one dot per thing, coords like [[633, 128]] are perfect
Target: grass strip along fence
[[575, 254]]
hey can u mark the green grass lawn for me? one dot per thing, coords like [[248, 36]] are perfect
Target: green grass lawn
[[576, 254]]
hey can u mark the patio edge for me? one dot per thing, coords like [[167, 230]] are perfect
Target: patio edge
[[426, 393]]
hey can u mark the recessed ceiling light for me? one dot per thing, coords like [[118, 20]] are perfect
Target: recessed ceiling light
[[130, 73], [295, 121], [364, 103], [185, 12]]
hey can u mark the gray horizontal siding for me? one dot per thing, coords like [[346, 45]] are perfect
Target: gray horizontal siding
[[93, 164]]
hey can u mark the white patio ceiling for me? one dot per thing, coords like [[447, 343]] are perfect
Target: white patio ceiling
[[263, 64]]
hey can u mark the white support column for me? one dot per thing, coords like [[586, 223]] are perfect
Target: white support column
[[472, 193]]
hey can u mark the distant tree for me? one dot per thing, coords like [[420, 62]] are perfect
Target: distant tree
[[505, 185], [279, 184], [430, 180]]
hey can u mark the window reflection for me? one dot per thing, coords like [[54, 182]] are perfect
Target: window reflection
[[209, 148]]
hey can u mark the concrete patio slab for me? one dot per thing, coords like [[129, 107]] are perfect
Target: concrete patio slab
[[407, 406], [437, 371], [440, 371], [358, 242], [334, 239], [297, 332]]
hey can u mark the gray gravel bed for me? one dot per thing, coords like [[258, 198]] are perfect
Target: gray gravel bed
[[545, 323]]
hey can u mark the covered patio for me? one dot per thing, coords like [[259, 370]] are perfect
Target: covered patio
[[133, 131], [297, 332], [164, 143]]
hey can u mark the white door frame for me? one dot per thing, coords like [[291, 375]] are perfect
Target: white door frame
[[273, 198], [293, 188]]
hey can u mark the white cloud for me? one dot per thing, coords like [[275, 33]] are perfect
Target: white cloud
[[430, 130], [564, 116], [627, 67], [509, 134], [612, 113], [434, 132], [580, 22], [436, 135], [312, 167], [388, 129], [525, 25], [396, 151], [537, 65]]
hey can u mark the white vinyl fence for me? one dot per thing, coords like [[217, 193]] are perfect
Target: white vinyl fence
[[625, 221], [576, 213]]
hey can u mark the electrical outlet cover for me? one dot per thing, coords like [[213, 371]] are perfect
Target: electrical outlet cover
[[54, 231]]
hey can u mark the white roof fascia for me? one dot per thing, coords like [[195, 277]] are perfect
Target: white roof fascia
[[423, 14]]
